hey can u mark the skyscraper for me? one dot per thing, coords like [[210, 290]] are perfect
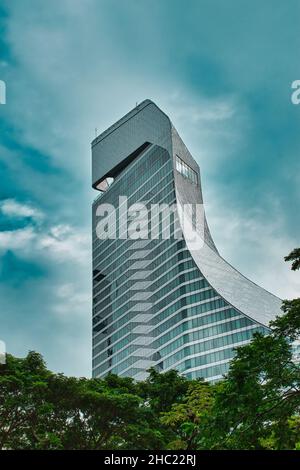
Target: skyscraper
[[162, 301]]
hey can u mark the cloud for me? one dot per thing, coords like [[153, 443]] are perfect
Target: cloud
[[255, 242], [13, 208], [70, 299], [40, 309], [67, 243], [19, 239], [60, 243]]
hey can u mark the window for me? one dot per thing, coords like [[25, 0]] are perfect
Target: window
[[186, 170]]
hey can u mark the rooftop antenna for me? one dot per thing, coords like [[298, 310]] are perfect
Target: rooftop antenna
[[96, 131], [136, 104]]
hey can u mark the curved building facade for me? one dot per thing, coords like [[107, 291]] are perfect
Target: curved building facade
[[160, 299]]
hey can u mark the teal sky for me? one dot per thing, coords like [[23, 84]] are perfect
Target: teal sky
[[222, 70]]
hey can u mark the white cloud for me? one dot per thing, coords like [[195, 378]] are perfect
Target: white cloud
[[71, 300], [54, 315], [19, 239], [255, 243], [61, 243], [13, 208], [66, 242]]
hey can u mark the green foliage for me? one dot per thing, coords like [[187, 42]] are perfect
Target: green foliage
[[295, 257], [288, 325], [258, 396], [162, 390], [256, 406], [188, 418], [42, 410]]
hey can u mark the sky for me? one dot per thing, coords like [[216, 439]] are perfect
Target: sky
[[221, 70]]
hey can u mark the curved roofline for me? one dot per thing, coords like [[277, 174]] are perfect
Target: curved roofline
[[143, 124], [133, 112]]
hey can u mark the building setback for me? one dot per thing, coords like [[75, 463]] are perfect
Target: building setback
[[163, 302]]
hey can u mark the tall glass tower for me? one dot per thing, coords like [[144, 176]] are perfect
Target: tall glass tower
[[160, 301]]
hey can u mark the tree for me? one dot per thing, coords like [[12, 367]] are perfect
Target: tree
[[161, 390], [288, 325], [295, 257], [115, 417], [255, 400], [22, 387], [42, 410], [188, 418]]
